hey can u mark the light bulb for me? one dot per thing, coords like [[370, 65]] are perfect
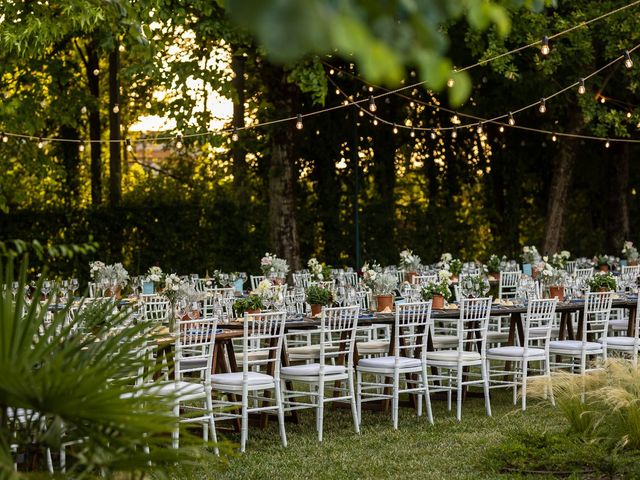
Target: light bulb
[[479, 129], [544, 49], [512, 121], [602, 99], [96, 72], [433, 135], [81, 147], [147, 105], [371, 89], [628, 116], [331, 72], [450, 82], [299, 122], [454, 133], [395, 129], [413, 133], [5, 138], [83, 110], [375, 122], [40, 143], [128, 144], [234, 135], [361, 113], [501, 129], [337, 91], [543, 106], [121, 48], [607, 144], [554, 138], [179, 141], [372, 104], [581, 87], [116, 108], [627, 59]]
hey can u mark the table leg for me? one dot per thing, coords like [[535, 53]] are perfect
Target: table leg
[[631, 325]]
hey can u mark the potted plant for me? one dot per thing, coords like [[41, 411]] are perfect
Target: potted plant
[[555, 279], [410, 262], [318, 297], [438, 291], [474, 286], [602, 282], [251, 304], [455, 267], [382, 284], [529, 256], [274, 268], [494, 265], [630, 253], [604, 262], [558, 260]]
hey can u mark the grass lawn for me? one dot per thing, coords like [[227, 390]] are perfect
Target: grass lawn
[[448, 449]]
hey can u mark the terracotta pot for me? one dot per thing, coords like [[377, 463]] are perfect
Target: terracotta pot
[[534, 273], [603, 268], [495, 275], [603, 289], [633, 263], [117, 295], [454, 278], [384, 302], [408, 276], [278, 281], [316, 309], [557, 292], [437, 302], [253, 311]]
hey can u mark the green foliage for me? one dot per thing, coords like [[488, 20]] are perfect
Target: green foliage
[[494, 262], [437, 288], [73, 381], [251, 302], [602, 280], [317, 295]]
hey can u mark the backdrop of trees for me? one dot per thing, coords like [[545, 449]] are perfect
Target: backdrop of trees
[[338, 182]]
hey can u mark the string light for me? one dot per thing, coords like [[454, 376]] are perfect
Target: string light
[[96, 72], [433, 135], [543, 106], [544, 49], [361, 113], [627, 59], [628, 114], [299, 122], [83, 110], [5, 138], [454, 132], [607, 144], [116, 108], [375, 121], [602, 99], [479, 129], [179, 141], [81, 147], [372, 104], [40, 143], [501, 129], [581, 87], [234, 135], [413, 133], [331, 72], [450, 82], [128, 144], [554, 138], [512, 121]]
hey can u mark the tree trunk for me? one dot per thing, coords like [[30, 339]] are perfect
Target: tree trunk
[[115, 160], [238, 149], [283, 228], [558, 192], [71, 160], [617, 224], [95, 126]]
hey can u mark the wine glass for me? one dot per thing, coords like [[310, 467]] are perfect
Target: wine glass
[[14, 289], [486, 286], [46, 288], [73, 285]]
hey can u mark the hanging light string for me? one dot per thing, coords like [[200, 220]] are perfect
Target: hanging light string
[[297, 117], [506, 119]]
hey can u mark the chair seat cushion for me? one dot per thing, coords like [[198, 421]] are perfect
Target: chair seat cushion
[[619, 324], [252, 356], [373, 346], [515, 352], [389, 362], [619, 341], [451, 356], [573, 345], [441, 341], [311, 370], [181, 388], [311, 350], [253, 378]]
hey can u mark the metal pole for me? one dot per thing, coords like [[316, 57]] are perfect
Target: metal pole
[[356, 205]]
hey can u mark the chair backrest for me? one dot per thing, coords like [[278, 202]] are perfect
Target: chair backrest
[[328, 284], [571, 266], [539, 319], [351, 278], [472, 323], [338, 330], [255, 280], [400, 276], [194, 346], [630, 271], [301, 279], [412, 327], [508, 284], [597, 310], [262, 332], [424, 279], [364, 299], [584, 273], [156, 309], [223, 292]]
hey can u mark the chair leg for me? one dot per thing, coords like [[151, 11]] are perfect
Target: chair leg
[[244, 423], [359, 396], [212, 423], [354, 407], [485, 378], [394, 402], [427, 397], [449, 391], [320, 412], [523, 390], [175, 435], [547, 371], [459, 393], [280, 406]]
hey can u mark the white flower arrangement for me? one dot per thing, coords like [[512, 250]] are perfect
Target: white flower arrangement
[[262, 289], [113, 275], [409, 260], [176, 288], [370, 272], [154, 274], [446, 258], [552, 276], [559, 260], [315, 268], [272, 265], [630, 252], [530, 254], [384, 284]]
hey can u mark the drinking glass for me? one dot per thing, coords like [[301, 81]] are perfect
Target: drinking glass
[[46, 288], [14, 289]]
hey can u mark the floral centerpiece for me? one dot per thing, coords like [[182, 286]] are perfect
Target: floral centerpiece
[[530, 257], [602, 282], [274, 267], [630, 253], [381, 283], [558, 259], [454, 265], [604, 262], [254, 302], [319, 271], [494, 264], [474, 286], [555, 278], [438, 291], [410, 262], [318, 297], [111, 278]]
